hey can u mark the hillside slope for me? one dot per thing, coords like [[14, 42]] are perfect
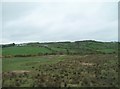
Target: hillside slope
[[53, 48]]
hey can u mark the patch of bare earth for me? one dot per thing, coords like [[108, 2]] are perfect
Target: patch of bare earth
[[20, 71], [1, 56], [87, 64]]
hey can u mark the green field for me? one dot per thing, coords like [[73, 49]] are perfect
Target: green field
[[61, 64], [25, 50], [83, 47], [18, 63]]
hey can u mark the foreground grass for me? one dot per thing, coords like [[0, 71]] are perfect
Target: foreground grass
[[26, 63], [61, 71]]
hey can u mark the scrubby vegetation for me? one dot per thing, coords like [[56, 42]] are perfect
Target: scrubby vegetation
[[61, 64]]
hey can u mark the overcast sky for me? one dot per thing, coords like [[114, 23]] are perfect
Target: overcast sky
[[63, 21]]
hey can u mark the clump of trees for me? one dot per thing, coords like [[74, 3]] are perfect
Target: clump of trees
[[8, 45]]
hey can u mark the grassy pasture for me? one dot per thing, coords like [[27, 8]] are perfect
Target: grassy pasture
[[64, 48], [21, 63], [25, 50]]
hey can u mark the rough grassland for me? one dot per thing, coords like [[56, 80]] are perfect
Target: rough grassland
[[18, 63], [61, 71], [61, 64]]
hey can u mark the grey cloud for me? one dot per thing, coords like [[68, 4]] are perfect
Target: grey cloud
[[24, 22]]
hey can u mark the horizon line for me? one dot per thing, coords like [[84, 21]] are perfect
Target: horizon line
[[56, 41]]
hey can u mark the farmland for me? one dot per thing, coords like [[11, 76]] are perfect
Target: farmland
[[61, 64], [78, 47]]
